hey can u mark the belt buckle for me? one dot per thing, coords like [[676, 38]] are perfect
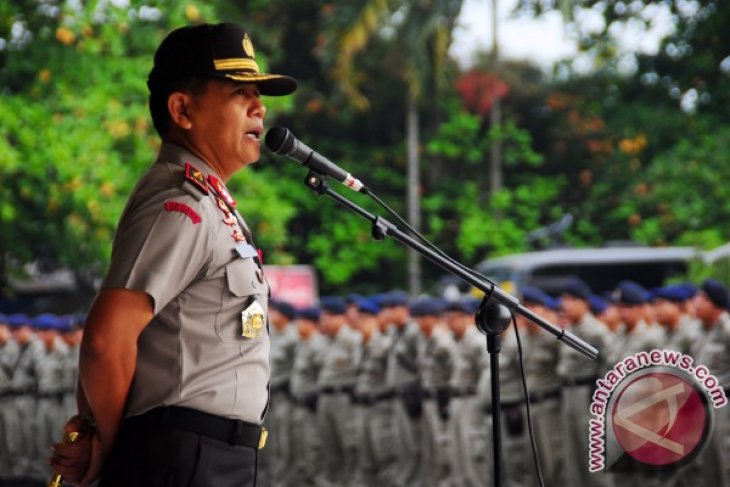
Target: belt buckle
[[262, 439]]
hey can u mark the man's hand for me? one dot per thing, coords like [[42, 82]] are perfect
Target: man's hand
[[79, 461]]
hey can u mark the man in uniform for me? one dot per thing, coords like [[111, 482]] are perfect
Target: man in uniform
[[436, 362], [376, 454], [713, 351], [579, 376], [336, 383], [23, 387], [542, 353], [402, 377], [680, 332], [469, 425], [305, 441], [174, 365], [9, 352], [277, 454]]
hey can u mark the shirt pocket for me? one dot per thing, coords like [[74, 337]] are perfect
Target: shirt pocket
[[242, 289]]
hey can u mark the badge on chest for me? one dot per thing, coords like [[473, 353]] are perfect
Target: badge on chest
[[252, 320]]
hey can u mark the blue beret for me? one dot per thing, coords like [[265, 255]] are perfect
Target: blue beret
[[535, 295], [629, 292], [284, 308], [577, 288], [352, 298], [460, 305], [427, 307], [676, 293], [311, 313], [17, 320], [66, 323], [690, 289], [333, 304], [717, 292], [394, 298], [368, 305], [598, 304], [45, 321]]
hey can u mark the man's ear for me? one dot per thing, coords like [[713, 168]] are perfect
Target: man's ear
[[177, 105]]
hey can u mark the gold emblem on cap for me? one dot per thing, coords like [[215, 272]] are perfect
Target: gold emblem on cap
[[248, 46]]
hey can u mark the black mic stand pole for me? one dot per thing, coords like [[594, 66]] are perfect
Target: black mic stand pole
[[495, 311]]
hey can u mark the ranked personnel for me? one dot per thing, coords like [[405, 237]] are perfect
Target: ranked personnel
[[174, 365]]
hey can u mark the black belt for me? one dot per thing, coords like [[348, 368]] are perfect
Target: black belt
[[538, 397], [575, 382], [369, 399], [435, 393], [337, 389], [463, 391], [232, 431], [283, 387], [51, 395]]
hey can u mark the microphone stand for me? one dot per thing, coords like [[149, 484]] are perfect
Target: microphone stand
[[495, 310]]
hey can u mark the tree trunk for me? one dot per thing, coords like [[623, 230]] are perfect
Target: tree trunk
[[414, 187]]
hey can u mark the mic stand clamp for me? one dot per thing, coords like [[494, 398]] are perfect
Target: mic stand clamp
[[493, 319]]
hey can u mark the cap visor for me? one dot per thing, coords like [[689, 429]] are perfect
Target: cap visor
[[269, 84]]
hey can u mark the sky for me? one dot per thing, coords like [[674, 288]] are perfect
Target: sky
[[547, 39]]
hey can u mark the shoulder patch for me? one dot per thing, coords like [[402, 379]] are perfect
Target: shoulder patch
[[184, 209], [195, 176]]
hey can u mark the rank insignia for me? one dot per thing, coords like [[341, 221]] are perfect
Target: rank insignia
[[184, 209], [238, 236], [221, 189], [195, 176], [252, 320]]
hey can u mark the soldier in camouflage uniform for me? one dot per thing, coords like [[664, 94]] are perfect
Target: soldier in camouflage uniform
[[50, 416], [376, 454], [713, 351], [469, 423], [436, 362], [336, 384], [541, 356], [304, 437], [402, 379], [579, 375], [283, 333], [9, 352]]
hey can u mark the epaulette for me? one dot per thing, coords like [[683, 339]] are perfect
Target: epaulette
[[196, 177]]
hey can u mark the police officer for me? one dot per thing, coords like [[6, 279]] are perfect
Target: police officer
[[541, 356], [402, 379], [175, 356], [23, 387], [376, 455], [680, 330], [436, 362], [277, 455], [336, 382], [305, 440], [579, 376], [713, 351], [9, 352], [469, 425], [71, 334]]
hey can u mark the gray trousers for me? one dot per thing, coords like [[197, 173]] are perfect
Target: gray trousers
[[548, 440], [276, 457], [376, 463], [24, 431], [408, 440], [50, 421], [435, 460], [471, 443], [337, 429], [305, 447], [574, 420]]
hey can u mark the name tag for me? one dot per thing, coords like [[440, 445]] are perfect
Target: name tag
[[246, 250]]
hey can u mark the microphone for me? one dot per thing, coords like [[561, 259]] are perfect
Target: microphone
[[281, 141]]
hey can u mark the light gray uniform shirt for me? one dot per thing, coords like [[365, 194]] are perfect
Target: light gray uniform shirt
[[307, 365], [470, 360], [403, 357], [374, 362], [341, 359], [176, 241], [49, 370], [542, 352], [713, 350], [9, 355], [436, 359], [283, 350], [574, 365]]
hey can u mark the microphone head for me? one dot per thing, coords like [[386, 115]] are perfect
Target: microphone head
[[280, 140]]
